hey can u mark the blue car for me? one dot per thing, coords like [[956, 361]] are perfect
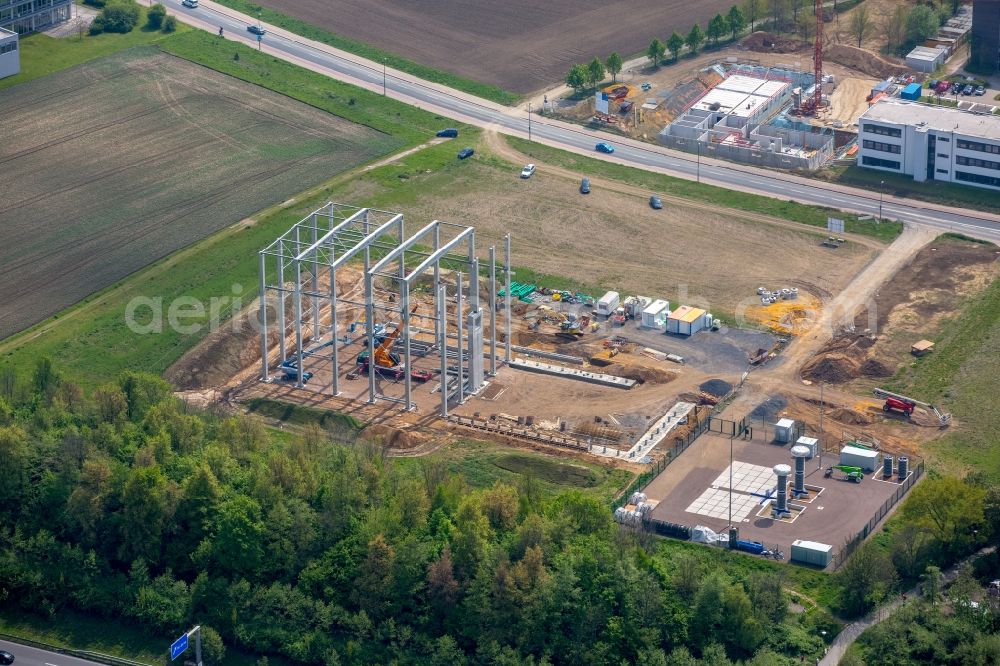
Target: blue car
[[603, 147], [465, 153]]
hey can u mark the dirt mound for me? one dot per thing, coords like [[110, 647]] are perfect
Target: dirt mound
[[875, 368], [640, 374], [393, 438], [862, 61], [849, 416], [217, 358], [716, 387], [771, 43], [831, 368]]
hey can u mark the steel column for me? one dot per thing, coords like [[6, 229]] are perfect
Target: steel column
[[493, 310], [298, 324], [370, 326], [335, 388], [461, 327], [442, 339], [281, 303], [263, 316], [507, 297], [314, 271], [404, 298]]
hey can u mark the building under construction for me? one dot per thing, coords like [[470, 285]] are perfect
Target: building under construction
[[359, 304]]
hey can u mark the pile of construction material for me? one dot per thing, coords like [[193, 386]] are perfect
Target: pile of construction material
[[767, 296], [635, 511]]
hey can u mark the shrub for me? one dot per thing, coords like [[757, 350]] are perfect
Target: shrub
[[97, 26], [119, 16], [169, 24], [155, 16]]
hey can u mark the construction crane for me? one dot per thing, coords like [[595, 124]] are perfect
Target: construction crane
[[811, 105], [387, 363], [906, 405]]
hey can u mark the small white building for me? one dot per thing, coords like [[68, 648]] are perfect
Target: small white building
[[10, 61], [686, 320], [931, 143], [855, 456], [655, 314], [925, 58]]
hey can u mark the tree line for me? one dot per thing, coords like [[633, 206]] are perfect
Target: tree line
[[126, 504]]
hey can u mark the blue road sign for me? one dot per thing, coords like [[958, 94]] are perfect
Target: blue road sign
[[178, 647], [260, 37]]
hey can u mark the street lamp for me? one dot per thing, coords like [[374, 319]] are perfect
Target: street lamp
[[881, 191], [698, 146], [529, 121]]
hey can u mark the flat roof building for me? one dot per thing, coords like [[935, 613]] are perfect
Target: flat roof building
[[926, 59], [931, 143], [23, 16], [10, 62], [686, 320]]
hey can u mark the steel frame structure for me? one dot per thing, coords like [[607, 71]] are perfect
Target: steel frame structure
[[335, 234]]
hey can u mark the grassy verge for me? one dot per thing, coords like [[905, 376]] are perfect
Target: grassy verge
[[42, 55], [300, 27], [341, 99], [69, 629], [287, 412], [812, 215], [949, 194], [961, 374], [483, 464]]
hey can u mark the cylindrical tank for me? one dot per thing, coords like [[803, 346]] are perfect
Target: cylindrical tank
[[800, 453], [902, 467], [782, 506], [886, 466]]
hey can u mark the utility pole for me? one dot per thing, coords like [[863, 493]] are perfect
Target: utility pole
[[881, 191], [698, 145], [383, 77], [822, 408], [529, 121]]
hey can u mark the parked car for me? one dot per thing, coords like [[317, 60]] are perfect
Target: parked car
[[968, 89], [585, 186], [980, 91], [256, 30], [655, 203], [933, 83], [465, 152], [604, 147], [527, 170], [193, 4], [449, 133], [7, 657], [955, 88]]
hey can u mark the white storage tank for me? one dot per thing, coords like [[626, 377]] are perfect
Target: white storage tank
[[811, 552], [810, 443], [655, 314], [855, 456]]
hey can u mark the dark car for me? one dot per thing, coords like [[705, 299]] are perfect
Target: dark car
[[465, 152], [449, 133], [655, 203], [6, 657], [955, 88], [585, 186], [604, 147], [256, 30], [968, 90]]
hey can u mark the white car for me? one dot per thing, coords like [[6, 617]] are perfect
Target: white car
[[527, 171], [193, 4]]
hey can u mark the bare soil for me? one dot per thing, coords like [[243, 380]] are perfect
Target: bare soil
[[519, 45], [121, 161]]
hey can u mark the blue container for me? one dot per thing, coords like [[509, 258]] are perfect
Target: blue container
[[911, 92], [754, 547]]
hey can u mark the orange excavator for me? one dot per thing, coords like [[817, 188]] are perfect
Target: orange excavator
[[387, 362]]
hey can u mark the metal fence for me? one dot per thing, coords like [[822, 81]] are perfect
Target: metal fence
[[111, 660], [855, 541]]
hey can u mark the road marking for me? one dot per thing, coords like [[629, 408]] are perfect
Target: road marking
[[48, 664]]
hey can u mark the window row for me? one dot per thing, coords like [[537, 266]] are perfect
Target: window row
[[878, 162], [883, 130], [884, 147], [979, 178], [981, 147], [972, 161], [7, 48]]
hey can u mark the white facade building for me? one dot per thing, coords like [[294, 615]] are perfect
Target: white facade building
[[10, 63], [931, 143]]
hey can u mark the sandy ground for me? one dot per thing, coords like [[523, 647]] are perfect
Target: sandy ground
[[848, 101]]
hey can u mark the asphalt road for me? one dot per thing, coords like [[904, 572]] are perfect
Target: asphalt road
[[30, 656], [511, 121]]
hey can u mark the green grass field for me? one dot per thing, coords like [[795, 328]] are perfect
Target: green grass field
[[951, 194], [483, 464], [812, 215], [300, 27], [42, 55]]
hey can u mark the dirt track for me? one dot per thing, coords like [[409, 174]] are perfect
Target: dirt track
[[519, 45]]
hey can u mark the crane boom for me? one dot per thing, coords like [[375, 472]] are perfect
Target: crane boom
[[943, 417], [383, 357]]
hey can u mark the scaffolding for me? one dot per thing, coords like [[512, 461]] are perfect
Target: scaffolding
[[302, 265]]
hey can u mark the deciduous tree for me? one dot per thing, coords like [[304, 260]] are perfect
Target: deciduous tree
[[675, 43], [655, 52], [695, 38], [861, 24], [614, 65], [736, 21], [577, 77], [717, 28]]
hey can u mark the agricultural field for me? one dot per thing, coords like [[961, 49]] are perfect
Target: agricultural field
[[118, 162], [521, 45]]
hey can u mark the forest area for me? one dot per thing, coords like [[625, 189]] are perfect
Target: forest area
[[128, 504]]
